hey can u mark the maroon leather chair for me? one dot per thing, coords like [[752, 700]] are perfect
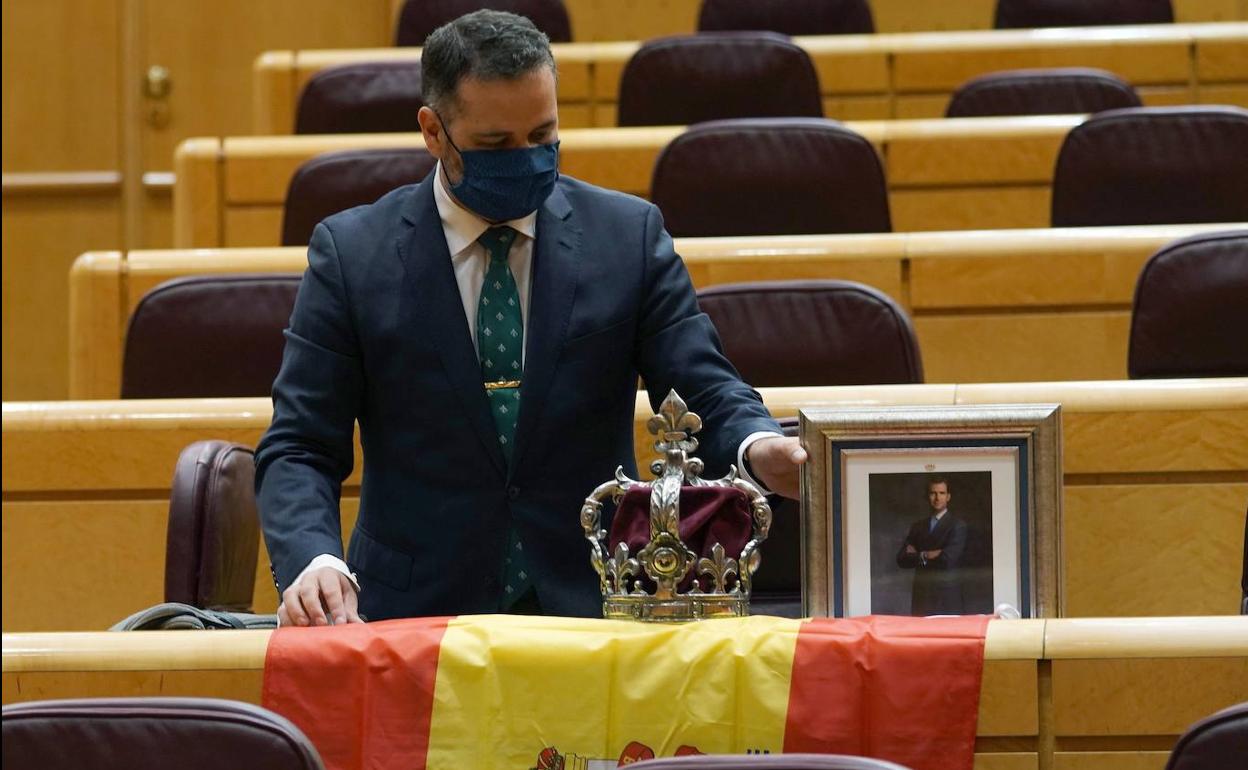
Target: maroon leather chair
[[420, 17], [788, 17], [716, 75], [1058, 91], [368, 97], [208, 337], [1016, 14], [807, 333], [337, 181], [1191, 309], [768, 762], [141, 733], [214, 530], [1154, 165], [1217, 742], [771, 176]]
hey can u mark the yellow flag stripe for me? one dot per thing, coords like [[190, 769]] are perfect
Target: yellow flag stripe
[[508, 687]]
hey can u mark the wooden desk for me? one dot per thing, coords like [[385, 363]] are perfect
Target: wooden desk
[[943, 174], [988, 306], [1151, 468], [1094, 694], [863, 77]]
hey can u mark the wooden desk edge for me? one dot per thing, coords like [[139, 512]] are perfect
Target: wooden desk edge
[[1071, 638]]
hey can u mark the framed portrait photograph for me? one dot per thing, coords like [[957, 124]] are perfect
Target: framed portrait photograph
[[931, 510]]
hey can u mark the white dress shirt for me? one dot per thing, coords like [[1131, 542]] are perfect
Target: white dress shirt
[[462, 228]]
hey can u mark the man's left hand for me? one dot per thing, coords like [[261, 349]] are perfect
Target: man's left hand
[[776, 462]]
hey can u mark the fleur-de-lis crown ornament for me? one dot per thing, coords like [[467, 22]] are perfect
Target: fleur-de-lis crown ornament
[[722, 582]]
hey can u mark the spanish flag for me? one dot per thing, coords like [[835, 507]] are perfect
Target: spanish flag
[[523, 693]]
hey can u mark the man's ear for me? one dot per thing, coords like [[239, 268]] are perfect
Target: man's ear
[[432, 129]]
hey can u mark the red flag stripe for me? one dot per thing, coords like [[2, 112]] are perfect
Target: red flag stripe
[[364, 692], [901, 689]]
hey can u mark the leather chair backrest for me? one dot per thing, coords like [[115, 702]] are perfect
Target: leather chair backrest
[[420, 17], [337, 181], [788, 17], [215, 336], [768, 762], [130, 733], [1217, 742], [214, 530], [1190, 315], [773, 176], [1058, 91], [809, 333], [716, 75], [1154, 165], [1023, 14], [368, 97]]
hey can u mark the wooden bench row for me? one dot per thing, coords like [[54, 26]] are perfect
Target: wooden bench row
[[1103, 694], [959, 174], [863, 77], [1155, 473], [988, 306], [596, 20]]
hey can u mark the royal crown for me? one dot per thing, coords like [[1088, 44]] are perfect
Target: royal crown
[[718, 583]]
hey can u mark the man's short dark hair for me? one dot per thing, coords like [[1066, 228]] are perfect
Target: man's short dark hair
[[933, 480], [489, 45]]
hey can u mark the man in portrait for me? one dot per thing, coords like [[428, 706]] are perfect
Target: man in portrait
[[933, 548]]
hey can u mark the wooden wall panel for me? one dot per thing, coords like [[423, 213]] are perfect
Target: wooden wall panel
[[61, 116], [123, 540], [1170, 547], [1018, 346], [598, 20], [42, 234], [1143, 696], [1110, 760], [241, 685], [210, 94], [62, 109]]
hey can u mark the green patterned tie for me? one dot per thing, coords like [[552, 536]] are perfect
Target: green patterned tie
[[500, 340]]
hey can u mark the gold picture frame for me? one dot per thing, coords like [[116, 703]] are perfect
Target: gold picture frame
[[1007, 459]]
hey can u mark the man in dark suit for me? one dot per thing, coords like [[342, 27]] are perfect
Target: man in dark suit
[[933, 548], [486, 329]]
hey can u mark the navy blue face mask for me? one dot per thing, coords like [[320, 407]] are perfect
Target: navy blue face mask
[[506, 184]]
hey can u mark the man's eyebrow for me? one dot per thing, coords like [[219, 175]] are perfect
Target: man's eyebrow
[[489, 135]]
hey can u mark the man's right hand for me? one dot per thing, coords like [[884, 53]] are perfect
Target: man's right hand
[[323, 596]]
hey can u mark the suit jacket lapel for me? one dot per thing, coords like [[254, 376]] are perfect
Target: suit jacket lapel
[[551, 294], [439, 312]]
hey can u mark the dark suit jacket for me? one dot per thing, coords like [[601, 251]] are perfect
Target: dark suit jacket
[[378, 335], [937, 584]]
